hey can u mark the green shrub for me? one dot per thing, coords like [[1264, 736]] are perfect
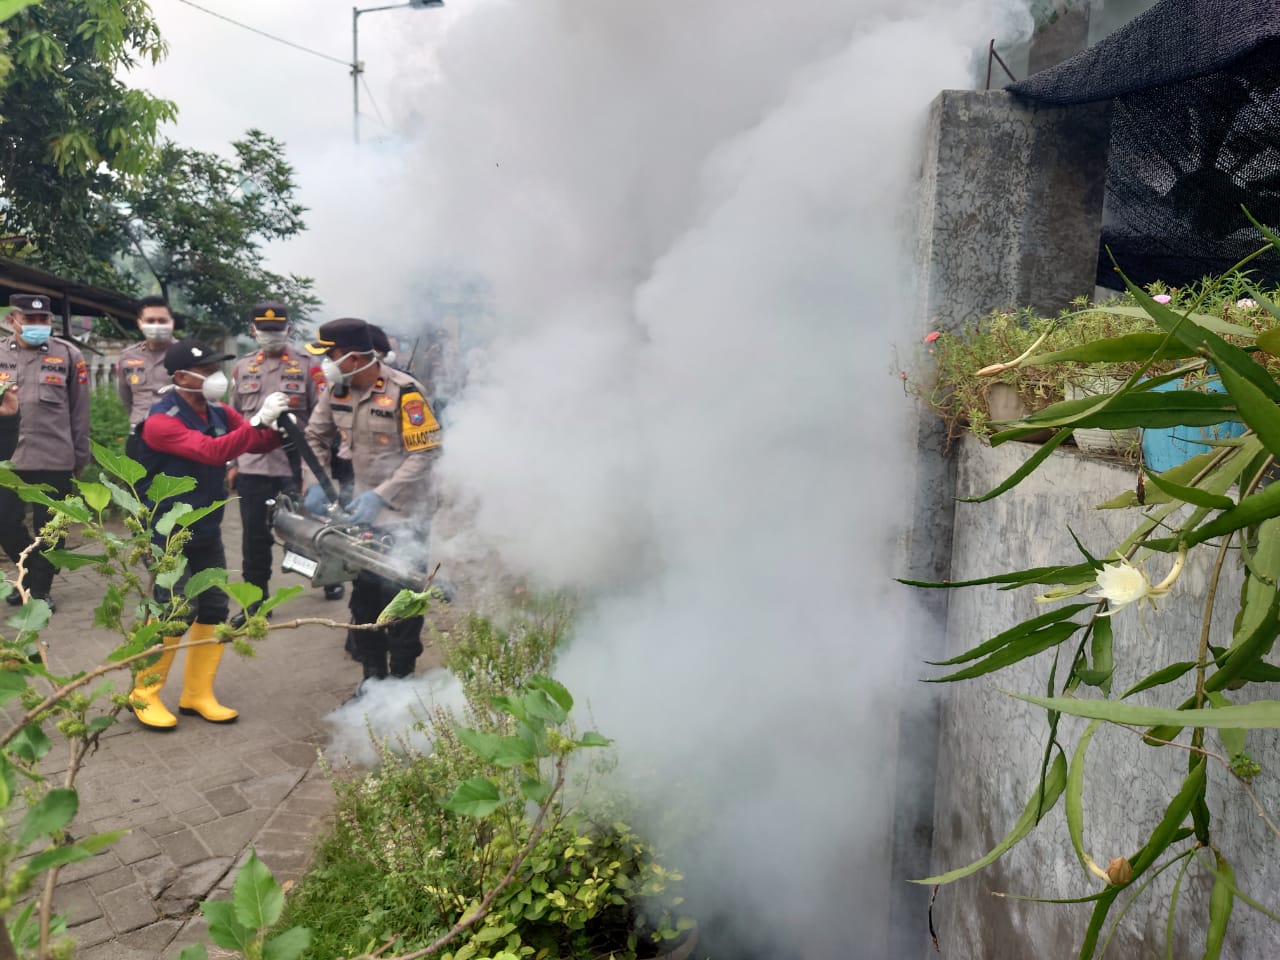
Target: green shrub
[[406, 860], [108, 425]]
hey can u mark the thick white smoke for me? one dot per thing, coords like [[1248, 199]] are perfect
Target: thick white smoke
[[695, 221]]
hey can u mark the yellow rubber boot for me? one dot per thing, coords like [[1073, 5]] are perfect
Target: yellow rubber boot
[[197, 683], [154, 713]]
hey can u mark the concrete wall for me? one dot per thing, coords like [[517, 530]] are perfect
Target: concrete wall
[[991, 745], [1009, 213]]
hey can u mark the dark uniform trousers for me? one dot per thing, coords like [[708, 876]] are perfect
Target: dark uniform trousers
[[133, 445], [212, 605], [402, 641], [14, 535], [255, 491]]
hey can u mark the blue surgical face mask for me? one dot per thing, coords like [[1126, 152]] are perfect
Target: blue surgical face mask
[[35, 334]]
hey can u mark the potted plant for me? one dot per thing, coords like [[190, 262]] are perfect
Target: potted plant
[[1011, 363]]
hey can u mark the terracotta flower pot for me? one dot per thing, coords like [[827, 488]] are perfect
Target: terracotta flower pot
[[1004, 403], [682, 950]]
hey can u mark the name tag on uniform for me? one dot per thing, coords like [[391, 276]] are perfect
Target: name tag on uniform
[[382, 400], [57, 378], [53, 361], [135, 362]]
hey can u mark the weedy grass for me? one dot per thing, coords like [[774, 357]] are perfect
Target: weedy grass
[[418, 842]]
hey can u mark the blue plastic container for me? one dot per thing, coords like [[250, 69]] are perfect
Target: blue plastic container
[[1167, 447]]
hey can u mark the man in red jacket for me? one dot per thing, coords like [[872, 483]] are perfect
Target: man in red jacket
[[191, 433]]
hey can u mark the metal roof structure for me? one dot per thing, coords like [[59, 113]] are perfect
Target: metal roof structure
[[70, 297]]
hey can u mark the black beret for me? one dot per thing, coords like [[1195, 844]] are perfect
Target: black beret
[[347, 334]]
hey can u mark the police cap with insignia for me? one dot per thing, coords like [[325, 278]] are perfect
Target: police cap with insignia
[[188, 354], [347, 334], [31, 303], [269, 315]]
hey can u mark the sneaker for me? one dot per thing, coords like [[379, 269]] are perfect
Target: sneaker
[[14, 598], [335, 591], [53, 607]]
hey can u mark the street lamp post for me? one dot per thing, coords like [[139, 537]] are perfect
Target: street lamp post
[[357, 68]]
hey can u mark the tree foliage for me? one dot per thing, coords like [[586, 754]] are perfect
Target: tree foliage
[[88, 189], [71, 131], [198, 222]]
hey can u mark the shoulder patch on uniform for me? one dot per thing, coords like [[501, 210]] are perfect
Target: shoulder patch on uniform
[[418, 425], [82, 371]]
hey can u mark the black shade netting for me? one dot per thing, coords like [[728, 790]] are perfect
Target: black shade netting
[[1195, 136]]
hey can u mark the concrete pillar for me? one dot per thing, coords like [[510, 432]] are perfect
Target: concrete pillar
[[1010, 215], [1012, 209]]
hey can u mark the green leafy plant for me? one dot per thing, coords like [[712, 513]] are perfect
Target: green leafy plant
[[959, 370], [1215, 503], [108, 426], [502, 842], [130, 558], [243, 923], [81, 706]]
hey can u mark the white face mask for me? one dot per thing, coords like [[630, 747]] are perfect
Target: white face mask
[[213, 387], [334, 375], [271, 339], [157, 332]]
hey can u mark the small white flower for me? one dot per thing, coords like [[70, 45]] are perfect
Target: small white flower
[[1121, 584], [1247, 303]]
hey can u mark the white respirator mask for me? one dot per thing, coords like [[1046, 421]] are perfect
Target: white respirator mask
[[271, 339], [214, 386], [334, 375], [157, 332]]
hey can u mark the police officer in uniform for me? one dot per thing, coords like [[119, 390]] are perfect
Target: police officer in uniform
[[189, 433], [260, 477], [383, 418], [140, 371], [52, 380]]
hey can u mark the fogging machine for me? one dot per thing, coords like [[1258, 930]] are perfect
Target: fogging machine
[[330, 550]]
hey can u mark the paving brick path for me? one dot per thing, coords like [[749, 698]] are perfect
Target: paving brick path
[[196, 799]]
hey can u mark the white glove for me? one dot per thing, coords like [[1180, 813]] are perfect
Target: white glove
[[273, 404]]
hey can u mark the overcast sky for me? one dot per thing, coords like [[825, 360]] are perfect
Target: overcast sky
[[226, 79]]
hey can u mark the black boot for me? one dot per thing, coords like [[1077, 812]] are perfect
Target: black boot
[[373, 668], [239, 619], [402, 666]]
